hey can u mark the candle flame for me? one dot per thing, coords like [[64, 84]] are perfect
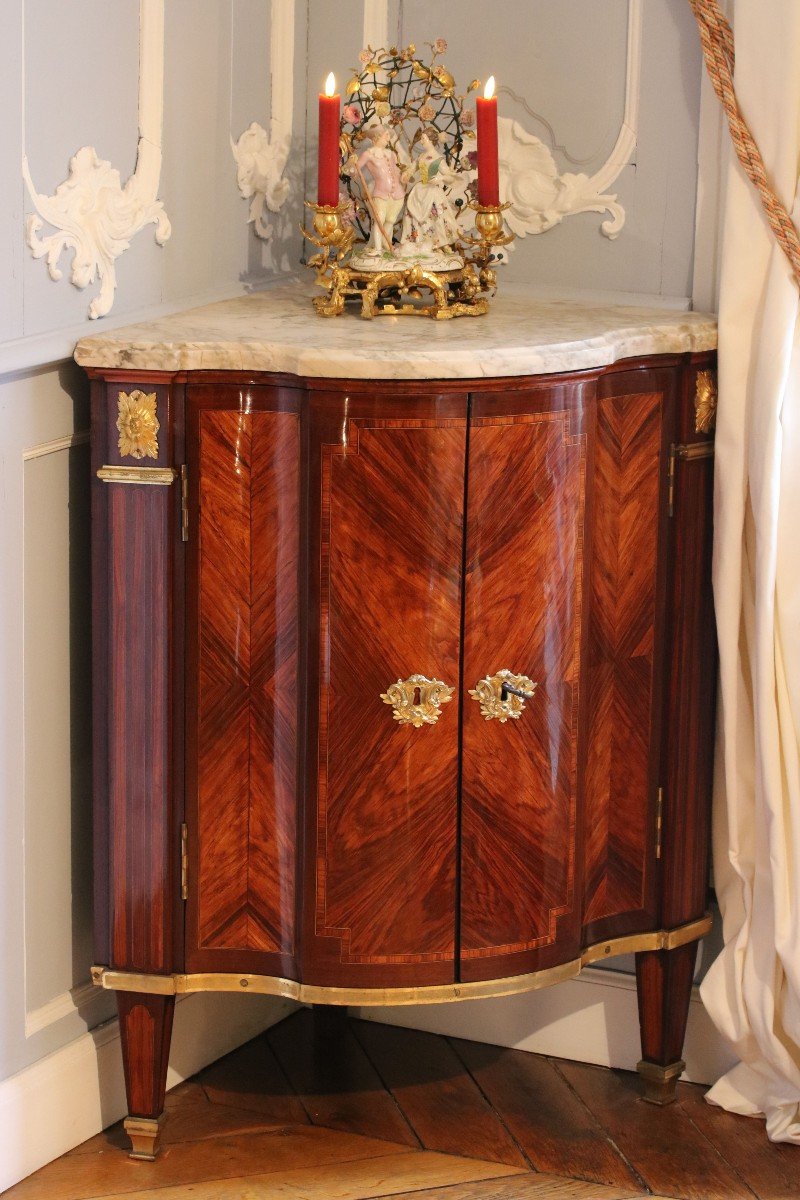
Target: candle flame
[[330, 84], [488, 91]]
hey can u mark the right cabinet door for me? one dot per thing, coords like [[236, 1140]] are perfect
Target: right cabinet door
[[525, 580], [625, 660]]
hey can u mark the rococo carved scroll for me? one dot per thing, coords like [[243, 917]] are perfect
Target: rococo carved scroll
[[93, 213]]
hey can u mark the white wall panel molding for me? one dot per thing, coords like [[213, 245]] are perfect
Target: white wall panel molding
[[72, 1094], [86, 1000], [376, 23], [261, 157], [63, 443], [539, 195], [93, 213]]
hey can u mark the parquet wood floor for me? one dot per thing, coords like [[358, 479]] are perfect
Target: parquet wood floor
[[320, 1108]]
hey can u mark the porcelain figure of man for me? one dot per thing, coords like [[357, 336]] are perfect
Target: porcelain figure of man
[[388, 186]]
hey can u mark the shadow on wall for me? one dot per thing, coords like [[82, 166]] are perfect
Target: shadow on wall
[[75, 385], [286, 249]]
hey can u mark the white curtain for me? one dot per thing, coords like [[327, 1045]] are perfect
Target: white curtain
[[753, 989]]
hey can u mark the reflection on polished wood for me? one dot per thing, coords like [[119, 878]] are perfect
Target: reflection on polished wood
[[626, 629], [526, 486], [390, 578], [248, 473]]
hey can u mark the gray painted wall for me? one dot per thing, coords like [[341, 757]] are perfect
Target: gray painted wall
[[561, 63]]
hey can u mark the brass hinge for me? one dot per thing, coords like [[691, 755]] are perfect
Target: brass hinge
[[689, 452], [659, 820], [184, 503], [184, 862]]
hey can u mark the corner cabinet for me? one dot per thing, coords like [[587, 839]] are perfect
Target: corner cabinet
[[403, 691]]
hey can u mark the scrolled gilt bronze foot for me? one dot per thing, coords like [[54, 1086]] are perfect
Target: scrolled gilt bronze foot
[[660, 1082], [145, 1135]]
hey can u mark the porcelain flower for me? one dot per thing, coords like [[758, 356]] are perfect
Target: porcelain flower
[[427, 112], [440, 45], [352, 113]]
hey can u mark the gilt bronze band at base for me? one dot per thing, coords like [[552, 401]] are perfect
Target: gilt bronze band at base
[[309, 993], [145, 1135], [660, 1082]]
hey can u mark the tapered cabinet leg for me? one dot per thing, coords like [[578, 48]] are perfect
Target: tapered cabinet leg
[[664, 986], [146, 1027]]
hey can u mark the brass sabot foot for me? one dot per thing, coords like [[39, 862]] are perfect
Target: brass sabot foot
[[660, 1082], [145, 1135]]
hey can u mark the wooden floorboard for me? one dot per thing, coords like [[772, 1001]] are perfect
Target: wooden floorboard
[[110, 1172], [411, 1172], [442, 1103], [336, 1082], [771, 1170], [553, 1126], [251, 1078], [524, 1187], [320, 1108], [667, 1151]]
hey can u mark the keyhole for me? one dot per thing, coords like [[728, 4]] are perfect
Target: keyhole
[[417, 695]]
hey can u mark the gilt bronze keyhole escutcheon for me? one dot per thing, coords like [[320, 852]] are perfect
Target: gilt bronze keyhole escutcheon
[[417, 700], [502, 696]]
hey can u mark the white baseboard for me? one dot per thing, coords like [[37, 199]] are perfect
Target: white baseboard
[[72, 1094], [592, 1019]]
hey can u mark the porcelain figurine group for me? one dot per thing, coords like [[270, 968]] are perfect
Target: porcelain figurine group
[[422, 191]]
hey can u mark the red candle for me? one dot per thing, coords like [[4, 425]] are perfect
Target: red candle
[[488, 168], [328, 173]]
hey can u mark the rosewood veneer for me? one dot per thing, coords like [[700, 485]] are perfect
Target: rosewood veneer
[[403, 690]]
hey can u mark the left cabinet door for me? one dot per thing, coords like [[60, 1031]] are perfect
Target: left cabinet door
[[244, 458], [386, 508]]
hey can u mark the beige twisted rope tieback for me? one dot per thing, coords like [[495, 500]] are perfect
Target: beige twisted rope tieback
[[716, 36]]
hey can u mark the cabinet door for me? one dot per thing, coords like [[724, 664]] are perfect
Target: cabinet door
[[242, 693], [524, 593], [385, 594], [626, 651]]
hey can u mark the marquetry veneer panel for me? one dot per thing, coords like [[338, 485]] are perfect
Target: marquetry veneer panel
[[248, 465], [524, 593], [622, 758], [392, 522]]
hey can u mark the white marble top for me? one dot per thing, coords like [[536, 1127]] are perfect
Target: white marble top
[[277, 330]]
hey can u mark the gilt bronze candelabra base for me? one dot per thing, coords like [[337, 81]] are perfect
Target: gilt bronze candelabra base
[[407, 289]]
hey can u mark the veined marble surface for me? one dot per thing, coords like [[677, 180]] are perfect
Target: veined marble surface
[[277, 330]]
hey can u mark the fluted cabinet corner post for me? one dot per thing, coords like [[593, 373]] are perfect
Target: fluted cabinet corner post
[[665, 977], [137, 562]]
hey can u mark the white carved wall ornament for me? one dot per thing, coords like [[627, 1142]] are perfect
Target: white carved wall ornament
[[93, 213], [539, 195], [261, 157]]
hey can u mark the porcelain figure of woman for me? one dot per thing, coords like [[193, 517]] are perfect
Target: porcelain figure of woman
[[430, 219]]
